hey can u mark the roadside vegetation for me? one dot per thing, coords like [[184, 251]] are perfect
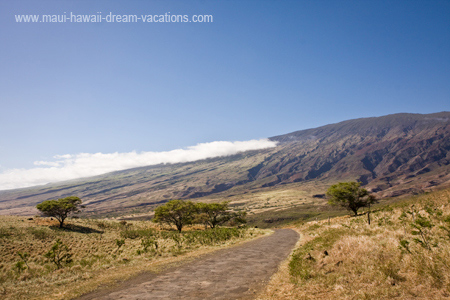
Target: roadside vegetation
[[403, 254], [40, 260], [181, 213], [350, 195]]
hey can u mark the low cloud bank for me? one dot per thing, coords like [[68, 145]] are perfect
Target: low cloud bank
[[68, 166]]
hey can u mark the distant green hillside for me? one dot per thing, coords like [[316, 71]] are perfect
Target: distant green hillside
[[392, 155]]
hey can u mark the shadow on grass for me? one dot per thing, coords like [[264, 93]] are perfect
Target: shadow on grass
[[76, 228]]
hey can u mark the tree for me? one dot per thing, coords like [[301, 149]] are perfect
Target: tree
[[349, 195], [175, 212], [61, 208], [59, 254], [213, 214]]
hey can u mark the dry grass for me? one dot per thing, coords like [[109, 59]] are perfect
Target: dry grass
[[397, 256], [97, 258], [260, 200]]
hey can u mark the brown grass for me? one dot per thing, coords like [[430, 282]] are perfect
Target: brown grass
[[97, 260], [371, 261]]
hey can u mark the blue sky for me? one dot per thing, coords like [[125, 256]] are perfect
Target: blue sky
[[261, 68]]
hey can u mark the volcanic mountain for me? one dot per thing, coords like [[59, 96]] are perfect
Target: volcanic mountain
[[391, 155]]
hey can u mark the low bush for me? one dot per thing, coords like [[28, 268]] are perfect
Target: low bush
[[137, 233]]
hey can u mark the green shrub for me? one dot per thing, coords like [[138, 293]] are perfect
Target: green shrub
[[213, 236], [19, 267], [59, 254], [119, 244], [146, 244], [138, 233]]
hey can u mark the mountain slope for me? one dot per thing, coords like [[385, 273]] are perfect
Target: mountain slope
[[376, 150], [391, 155]]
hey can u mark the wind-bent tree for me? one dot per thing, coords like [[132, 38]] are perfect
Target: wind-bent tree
[[61, 208], [349, 195], [175, 212], [213, 214]]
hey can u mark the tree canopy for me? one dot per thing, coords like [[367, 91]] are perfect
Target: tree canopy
[[181, 213], [175, 212], [349, 195], [213, 214], [61, 208]]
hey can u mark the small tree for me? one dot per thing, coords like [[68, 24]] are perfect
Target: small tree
[[59, 254], [213, 214], [175, 212], [119, 244], [61, 208], [349, 195], [24, 256]]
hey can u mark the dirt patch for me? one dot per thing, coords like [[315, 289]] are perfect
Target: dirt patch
[[235, 273]]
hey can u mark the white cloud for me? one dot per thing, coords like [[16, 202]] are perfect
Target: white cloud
[[72, 166], [48, 163]]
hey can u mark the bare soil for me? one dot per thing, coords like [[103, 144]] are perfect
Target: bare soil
[[234, 273]]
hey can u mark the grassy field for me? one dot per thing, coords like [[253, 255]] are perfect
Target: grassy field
[[99, 252], [259, 201], [403, 254]]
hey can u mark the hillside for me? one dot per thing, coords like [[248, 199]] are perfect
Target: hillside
[[384, 151], [392, 155], [402, 254]]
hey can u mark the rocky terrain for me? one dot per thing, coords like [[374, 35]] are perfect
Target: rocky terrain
[[391, 155]]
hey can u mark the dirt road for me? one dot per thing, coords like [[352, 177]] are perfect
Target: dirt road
[[234, 273]]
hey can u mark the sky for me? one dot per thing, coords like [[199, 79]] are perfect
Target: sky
[[140, 91]]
